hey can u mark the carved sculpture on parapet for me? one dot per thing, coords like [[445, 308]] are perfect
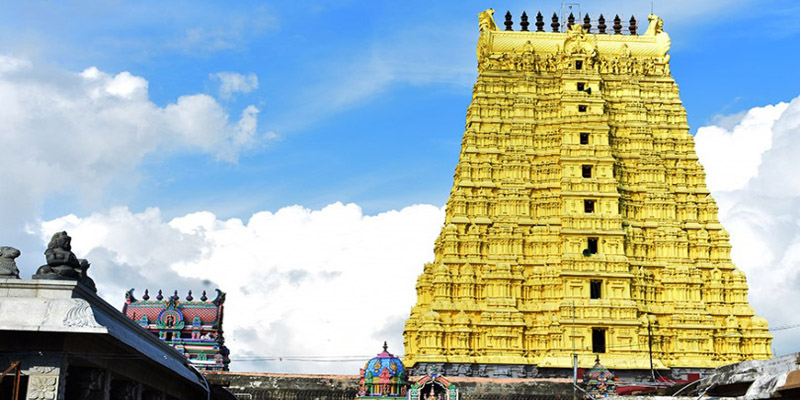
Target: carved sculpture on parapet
[[85, 279], [656, 25], [656, 28], [606, 53], [579, 41], [8, 267], [62, 263], [486, 20]]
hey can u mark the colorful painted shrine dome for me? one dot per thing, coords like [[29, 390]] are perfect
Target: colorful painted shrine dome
[[599, 381], [385, 361]]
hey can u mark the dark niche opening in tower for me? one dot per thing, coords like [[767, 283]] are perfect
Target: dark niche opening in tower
[[588, 206], [595, 289], [591, 245], [598, 340]]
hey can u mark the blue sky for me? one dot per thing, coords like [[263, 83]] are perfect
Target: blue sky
[[358, 102], [368, 98]]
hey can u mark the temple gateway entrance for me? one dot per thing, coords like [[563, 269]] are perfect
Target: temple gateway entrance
[[433, 387]]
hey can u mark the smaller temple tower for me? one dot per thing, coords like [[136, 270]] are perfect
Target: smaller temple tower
[[194, 328], [599, 382], [383, 377]]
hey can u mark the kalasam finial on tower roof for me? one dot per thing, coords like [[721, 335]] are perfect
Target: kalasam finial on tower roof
[[555, 25], [601, 24], [524, 22], [487, 23]]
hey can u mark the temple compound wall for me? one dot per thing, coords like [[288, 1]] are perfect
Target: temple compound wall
[[267, 386], [579, 221]]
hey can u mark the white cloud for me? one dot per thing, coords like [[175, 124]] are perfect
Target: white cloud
[[300, 282], [231, 83], [732, 155], [11, 64], [77, 133], [752, 175]]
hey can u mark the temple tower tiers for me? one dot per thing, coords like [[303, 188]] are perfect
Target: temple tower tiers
[[579, 217]]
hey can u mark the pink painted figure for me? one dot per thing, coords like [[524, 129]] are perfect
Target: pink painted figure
[[384, 380]]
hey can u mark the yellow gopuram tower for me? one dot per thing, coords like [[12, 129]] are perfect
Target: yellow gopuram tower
[[579, 221]]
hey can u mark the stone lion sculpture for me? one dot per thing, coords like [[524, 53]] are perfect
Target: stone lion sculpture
[[62, 263], [8, 267]]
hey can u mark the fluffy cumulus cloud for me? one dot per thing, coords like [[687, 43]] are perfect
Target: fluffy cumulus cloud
[[80, 131], [731, 151], [751, 170], [231, 83], [330, 283]]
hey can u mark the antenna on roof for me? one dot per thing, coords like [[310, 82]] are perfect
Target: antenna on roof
[[564, 7]]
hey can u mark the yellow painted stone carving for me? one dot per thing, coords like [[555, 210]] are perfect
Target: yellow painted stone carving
[[578, 196]]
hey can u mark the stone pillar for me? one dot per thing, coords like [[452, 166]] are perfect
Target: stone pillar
[[122, 389], [150, 394], [88, 384], [46, 379]]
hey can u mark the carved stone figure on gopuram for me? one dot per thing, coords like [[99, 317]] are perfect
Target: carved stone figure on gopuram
[[62, 264], [579, 221]]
